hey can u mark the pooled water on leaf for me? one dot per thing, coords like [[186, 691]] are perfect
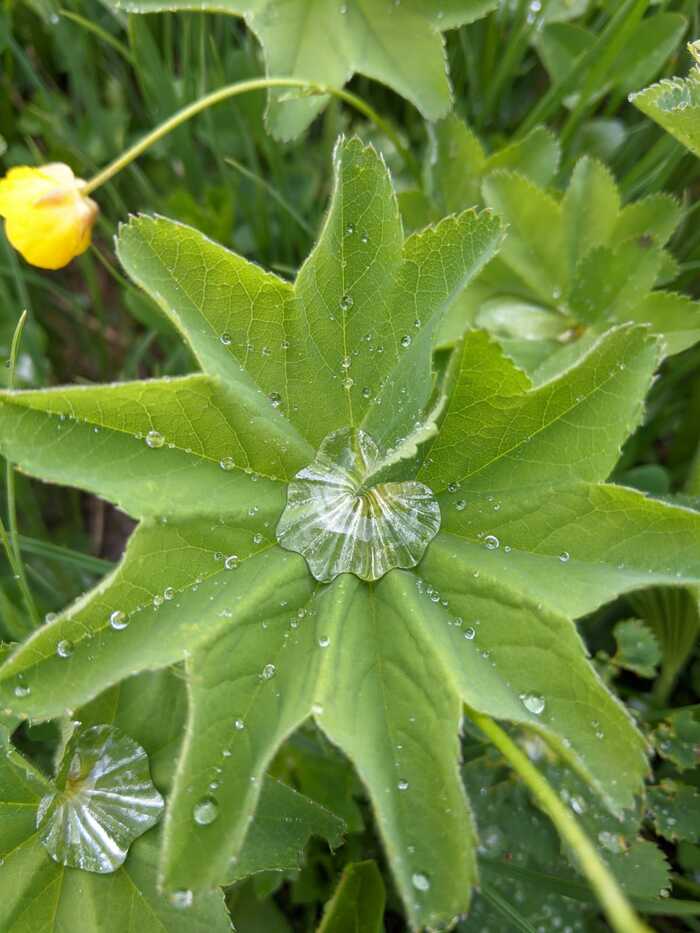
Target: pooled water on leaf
[[104, 800], [341, 522]]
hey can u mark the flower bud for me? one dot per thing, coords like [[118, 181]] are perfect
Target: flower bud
[[47, 218]]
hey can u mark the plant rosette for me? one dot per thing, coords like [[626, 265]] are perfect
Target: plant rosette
[[334, 524]]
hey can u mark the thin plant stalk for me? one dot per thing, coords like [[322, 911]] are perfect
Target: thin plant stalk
[[9, 537], [234, 90], [617, 908]]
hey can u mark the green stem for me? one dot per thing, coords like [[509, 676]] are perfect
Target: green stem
[[233, 90], [10, 542], [614, 903]]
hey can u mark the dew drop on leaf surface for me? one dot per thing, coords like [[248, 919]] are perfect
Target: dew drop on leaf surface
[[341, 522], [205, 811], [155, 439]]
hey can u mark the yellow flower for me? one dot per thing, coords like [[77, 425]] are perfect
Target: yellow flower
[[47, 219]]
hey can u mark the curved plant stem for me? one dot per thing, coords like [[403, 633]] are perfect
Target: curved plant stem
[[10, 540], [233, 90], [616, 906]]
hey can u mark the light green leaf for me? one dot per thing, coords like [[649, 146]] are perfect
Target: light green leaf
[[674, 317], [150, 446], [609, 283], [541, 261], [358, 903], [675, 105], [327, 42], [178, 586], [499, 435], [653, 41], [456, 163], [657, 215], [590, 208], [385, 702]]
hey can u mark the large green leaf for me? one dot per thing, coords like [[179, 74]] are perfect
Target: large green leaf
[[531, 536], [327, 41]]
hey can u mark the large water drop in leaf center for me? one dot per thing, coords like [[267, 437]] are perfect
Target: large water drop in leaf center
[[341, 521]]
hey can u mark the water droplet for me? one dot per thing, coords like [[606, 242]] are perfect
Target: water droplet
[[157, 601], [227, 464], [276, 399], [406, 341], [469, 633], [350, 229], [239, 724], [118, 620], [564, 556], [182, 899], [225, 338], [50, 617], [491, 542], [420, 881], [64, 649], [365, 237], [348, 383], [22, 690], [206, 811], [402, 785], [232, 561], [324, 641], [461, 505], [346, 303], [366, 392], [155, 439], [257, 538], [532, 702], [268, 672], [341, 525], [317, 709], [168, 593]]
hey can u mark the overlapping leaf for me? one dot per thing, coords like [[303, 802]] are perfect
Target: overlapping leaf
[[327, 41], [531, 536]]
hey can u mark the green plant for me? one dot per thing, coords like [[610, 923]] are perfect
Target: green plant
[[381, 657]]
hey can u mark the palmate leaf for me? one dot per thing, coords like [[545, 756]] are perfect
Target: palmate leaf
[[530, 538], [327, 41]]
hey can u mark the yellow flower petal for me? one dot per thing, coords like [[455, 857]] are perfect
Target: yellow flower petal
[[47, 218]]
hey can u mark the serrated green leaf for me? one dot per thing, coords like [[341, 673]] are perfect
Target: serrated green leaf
[[608, 284], [150, 446], [657, 215], [675, 105], [675, 810], [540, 261], [590, 208], [283, 824], [358, 903], [457, 163], [382, 40], [678, 739], [637, 648]]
